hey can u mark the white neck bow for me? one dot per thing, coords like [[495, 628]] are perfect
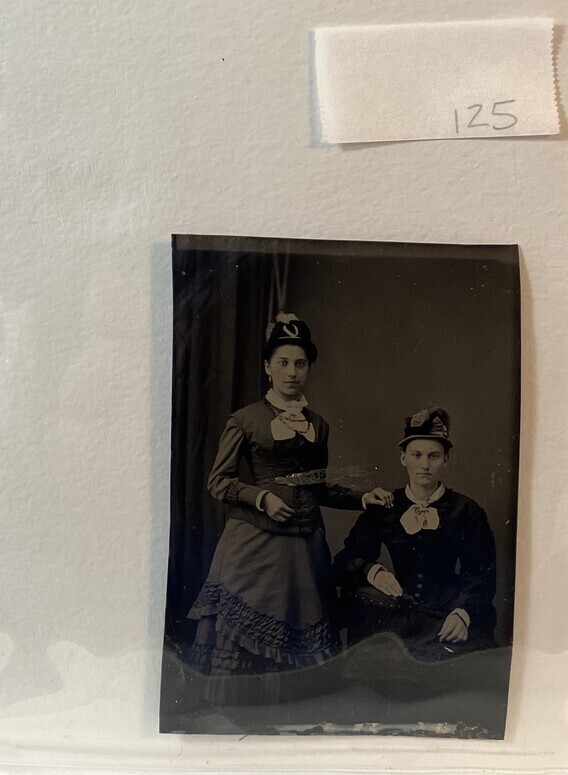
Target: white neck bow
[[421, 516], [291, 420]]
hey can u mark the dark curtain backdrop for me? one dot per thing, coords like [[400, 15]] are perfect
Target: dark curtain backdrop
[[220, 314]]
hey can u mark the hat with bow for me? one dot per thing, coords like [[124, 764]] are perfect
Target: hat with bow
[[433, 422], [289, 330]]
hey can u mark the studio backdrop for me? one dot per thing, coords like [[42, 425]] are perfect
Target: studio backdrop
[[398, 327]]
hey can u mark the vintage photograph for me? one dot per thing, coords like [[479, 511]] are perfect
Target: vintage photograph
[[345, 442]]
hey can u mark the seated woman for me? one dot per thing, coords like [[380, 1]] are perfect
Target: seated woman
[[430, 531]]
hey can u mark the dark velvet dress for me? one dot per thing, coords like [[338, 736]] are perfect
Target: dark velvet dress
[[451, 567], [268, 604]]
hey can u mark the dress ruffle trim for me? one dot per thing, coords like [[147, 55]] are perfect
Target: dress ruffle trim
[[218, 662], [252, 636]]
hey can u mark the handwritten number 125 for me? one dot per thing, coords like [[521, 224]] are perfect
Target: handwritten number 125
[[506, 119]]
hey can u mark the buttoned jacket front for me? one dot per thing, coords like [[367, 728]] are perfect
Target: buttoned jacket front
[[450, 567]]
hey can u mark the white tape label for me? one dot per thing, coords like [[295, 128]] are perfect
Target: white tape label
[[427, 81]]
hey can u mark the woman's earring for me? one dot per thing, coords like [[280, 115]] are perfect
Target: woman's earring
[[269, 379]]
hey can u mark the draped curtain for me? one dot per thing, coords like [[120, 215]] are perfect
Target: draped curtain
[[221, 303]]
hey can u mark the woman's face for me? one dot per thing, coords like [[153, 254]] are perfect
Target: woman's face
[[424, 460], [288, 367]]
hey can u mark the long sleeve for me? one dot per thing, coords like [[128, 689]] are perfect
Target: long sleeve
[[477, 568], [361, 549], [335, 496], [224, 484]]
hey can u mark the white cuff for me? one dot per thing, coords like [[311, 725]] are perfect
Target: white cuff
[[463, 614], [373, 572], [259, 498]]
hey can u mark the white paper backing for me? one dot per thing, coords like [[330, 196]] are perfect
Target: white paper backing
[[123, 122], [426, 81]]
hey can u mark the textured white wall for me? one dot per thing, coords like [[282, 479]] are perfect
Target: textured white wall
[[123, 122]]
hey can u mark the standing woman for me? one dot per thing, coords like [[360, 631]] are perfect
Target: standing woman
[[268, 603]]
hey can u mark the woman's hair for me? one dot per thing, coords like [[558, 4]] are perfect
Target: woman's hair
[[443, 442], [271, 348]]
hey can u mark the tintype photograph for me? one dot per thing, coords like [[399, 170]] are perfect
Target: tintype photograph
[[345, 440]]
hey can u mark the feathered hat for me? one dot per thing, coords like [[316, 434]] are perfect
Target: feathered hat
[[432, 422]]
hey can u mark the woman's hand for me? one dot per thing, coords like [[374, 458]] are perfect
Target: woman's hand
[[378, 497], [384, 581], [276, 508], [453, 629]]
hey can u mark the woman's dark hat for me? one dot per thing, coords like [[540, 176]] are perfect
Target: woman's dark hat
[[290, 332], [433, 422]]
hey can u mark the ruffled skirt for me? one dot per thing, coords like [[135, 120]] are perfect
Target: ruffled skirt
[[268, 607]]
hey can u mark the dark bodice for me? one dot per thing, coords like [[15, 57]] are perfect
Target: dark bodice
[[291, 468], [425, 563], [270, 459]]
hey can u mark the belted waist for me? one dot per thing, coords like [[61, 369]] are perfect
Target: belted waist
[[307, 515], [315, 476]]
